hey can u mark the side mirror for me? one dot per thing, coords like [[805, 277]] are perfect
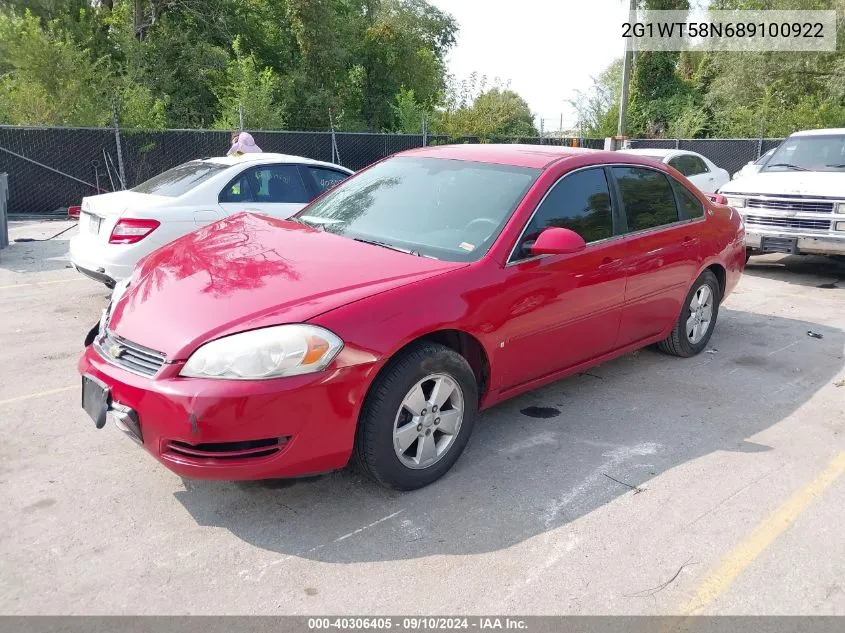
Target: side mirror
[[558, 241]]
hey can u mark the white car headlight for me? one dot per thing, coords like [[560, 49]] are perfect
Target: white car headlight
[[271, 352], [840, 208], [735, 202]]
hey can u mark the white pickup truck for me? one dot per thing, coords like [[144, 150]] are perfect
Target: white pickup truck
[[796, 202]]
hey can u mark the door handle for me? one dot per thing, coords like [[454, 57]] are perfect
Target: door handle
[[609, 263], [690, 241]]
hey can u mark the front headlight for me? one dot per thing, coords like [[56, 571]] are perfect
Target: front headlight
[[272, 352], [735, 202], [840, 208]]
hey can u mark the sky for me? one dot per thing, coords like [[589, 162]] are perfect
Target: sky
[[548, 49]]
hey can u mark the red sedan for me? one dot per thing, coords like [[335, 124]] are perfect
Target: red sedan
[[379, 321]]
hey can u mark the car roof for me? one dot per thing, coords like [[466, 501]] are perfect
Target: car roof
[[652, 151], [267, 157], [517, 155], [823, 132]]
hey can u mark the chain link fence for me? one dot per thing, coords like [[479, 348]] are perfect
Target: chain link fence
[[53, 168], [730, 153]]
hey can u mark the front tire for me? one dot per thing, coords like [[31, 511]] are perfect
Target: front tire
[[417, 417], [694, 326]]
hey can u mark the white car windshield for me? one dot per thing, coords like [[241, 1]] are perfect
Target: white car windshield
[[809, 153], [181, 179], [442, 208], [764, 157]]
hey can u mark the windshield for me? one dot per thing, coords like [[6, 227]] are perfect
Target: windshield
[[447, 209], [764, 157], [809, 153], [181, 179]]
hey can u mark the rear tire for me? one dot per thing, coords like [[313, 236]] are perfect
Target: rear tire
[[417, 417], [697, 320]]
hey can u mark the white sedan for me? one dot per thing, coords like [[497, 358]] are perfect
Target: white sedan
[[118, 229], [699, 170]]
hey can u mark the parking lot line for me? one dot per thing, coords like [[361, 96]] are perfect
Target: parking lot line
[[42, 283], [764, 535], [48, 392]]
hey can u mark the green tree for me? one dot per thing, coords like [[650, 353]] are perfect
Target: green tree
[[598, 107], [47, 79], [408, 113], [494, 113], [658, 94], [404, 45], [251, 87]]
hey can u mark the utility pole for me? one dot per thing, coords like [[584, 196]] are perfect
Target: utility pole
[[622, 127], [241, 116]]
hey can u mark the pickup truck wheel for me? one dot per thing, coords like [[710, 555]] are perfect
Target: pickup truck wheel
[[417, 417], [747, 254], [695, 325]]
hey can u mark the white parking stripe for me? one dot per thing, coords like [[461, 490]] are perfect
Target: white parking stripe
[[49, 392], [42, 283]]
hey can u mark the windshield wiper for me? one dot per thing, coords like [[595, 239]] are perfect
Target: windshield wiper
[[839, 166], [386, 245], [790, 165]]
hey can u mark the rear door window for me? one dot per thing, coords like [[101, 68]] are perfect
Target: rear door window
[[647, 197], [691, 207], [695, 165], [689, 165]]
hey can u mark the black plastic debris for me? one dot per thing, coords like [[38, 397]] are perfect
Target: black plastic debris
[[812, 334]]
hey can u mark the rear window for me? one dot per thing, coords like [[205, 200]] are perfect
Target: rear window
[[181, 179]]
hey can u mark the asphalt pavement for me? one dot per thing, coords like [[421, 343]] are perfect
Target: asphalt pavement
[[649, 485]]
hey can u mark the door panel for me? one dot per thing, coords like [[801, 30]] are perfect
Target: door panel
[[660, 268], [560, 310], [662, 252]]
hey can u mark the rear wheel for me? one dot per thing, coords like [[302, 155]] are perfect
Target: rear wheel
[[417, 418], [695, 325]]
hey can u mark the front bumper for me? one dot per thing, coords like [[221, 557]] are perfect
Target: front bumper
[[811, 245], [209, 429]]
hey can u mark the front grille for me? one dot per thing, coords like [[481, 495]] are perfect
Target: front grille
[[798, 205], [251, 449], [787, 223], [129, 355]]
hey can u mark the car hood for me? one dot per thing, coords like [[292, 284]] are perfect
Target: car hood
[[251, 271], [117, 202], [795, 183]]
